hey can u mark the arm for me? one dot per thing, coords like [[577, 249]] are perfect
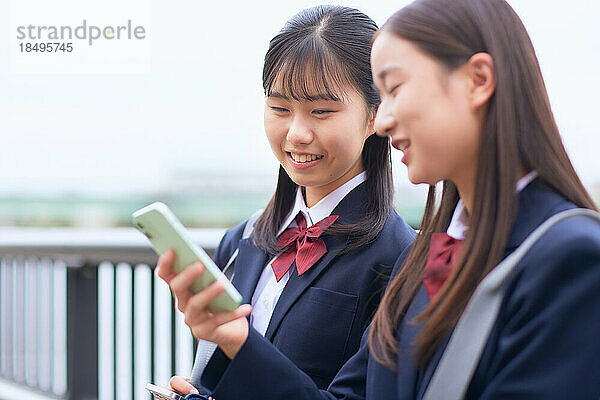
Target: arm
[[252, 355], [259, 370], [245, 374], [245, 365]]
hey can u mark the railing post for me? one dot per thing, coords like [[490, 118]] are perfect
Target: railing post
[[82, 339]]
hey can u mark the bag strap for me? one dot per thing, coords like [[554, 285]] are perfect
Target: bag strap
[[248, 229], [205, 349], [461, 356]]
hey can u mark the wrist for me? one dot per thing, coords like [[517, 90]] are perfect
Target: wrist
[[232, 349]]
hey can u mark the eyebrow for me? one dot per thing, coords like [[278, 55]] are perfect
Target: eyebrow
[[387, 70], [311, 97]]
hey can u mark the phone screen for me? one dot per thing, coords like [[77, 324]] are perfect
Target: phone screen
[[163, 393]]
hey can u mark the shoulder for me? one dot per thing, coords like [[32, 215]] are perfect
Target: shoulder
[[565, 260], [546, 318], [229, 243], [396, 232], [395, 238], [566, 244]]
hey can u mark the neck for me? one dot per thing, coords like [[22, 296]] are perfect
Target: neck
[[466, 189], [314, 194]]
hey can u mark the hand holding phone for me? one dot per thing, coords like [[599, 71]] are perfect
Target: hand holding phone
[[228, 329], [163, 393], [165, 232]]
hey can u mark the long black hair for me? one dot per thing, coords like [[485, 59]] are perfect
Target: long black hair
[[317, 51]]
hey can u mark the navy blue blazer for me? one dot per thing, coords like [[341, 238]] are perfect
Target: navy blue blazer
[[544, 345], [320, 316]]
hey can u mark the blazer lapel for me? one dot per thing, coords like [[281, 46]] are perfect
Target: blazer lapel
[[350, 210], [249, 264], [298, 284]]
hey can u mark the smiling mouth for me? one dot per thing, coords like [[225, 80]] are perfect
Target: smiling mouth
[[401, 145], [304, 158]]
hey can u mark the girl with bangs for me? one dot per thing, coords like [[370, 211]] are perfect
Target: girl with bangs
[[319, 257], [512, 251]]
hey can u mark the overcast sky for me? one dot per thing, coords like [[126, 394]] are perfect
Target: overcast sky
[[122, 116]]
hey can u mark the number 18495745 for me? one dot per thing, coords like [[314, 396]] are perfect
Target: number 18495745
[[46, 47]]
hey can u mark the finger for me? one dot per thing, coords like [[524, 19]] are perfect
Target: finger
[[180, 285], [201, 300], [182, 385], [164, 267], [205, 329], [224, 317]]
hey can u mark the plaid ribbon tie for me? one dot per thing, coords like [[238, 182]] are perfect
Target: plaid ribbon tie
[[302, 244]]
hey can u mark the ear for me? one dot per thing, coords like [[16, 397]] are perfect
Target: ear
[[371, 122], [481, 76]]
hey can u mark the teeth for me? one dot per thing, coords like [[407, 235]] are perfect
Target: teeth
[[305, 157]]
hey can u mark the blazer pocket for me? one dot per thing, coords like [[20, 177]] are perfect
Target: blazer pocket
[[314, 334], [329, 298]]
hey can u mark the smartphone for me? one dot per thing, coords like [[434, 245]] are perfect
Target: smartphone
[[165, 232], [163, 393]]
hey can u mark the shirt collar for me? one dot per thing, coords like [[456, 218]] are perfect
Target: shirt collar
[[460, 219], [324, 207]]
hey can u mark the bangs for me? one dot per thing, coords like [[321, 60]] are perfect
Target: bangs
[[307, 72]]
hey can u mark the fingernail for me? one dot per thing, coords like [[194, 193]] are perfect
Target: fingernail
[[244, 308]]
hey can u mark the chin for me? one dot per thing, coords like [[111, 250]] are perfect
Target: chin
[[299, 180], [417, 179]]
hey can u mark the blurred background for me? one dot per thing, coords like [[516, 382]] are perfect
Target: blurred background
[[89, 136]]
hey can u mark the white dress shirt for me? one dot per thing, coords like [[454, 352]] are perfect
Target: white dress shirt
[[460, 219], [268, 290]]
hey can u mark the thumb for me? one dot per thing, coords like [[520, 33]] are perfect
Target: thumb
[[182, 385]]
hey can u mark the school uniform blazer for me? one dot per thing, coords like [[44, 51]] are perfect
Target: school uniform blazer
[[320, 316], [545, 343]]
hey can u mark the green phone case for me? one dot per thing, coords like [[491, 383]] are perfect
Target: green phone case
[[165, 232]]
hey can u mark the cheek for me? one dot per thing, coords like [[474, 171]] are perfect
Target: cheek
[[347, 142], [408, 109], [276, 134]]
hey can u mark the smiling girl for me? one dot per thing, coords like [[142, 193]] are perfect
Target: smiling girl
[[319, 257], [464, 99]]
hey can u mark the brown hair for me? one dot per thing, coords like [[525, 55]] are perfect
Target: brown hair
[[519, 134]]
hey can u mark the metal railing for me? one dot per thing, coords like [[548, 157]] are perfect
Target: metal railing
[[82, 316]]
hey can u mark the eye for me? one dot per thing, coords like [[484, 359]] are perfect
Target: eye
[[393, 90], [279, 109], [322, 112]]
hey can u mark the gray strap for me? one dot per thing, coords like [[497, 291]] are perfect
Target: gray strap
[[206, 349], [455, 370], [248, 229]]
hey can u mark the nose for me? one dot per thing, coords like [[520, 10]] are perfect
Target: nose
[[299, 132], [384, 120]]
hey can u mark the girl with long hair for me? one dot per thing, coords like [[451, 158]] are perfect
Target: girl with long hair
[[320, 255], [464, 99]]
